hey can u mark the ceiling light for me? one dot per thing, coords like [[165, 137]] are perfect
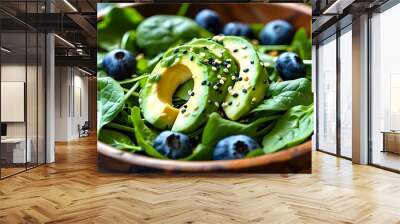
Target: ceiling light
[[64, 40], [84, 71], [70, 5], [5, 50]]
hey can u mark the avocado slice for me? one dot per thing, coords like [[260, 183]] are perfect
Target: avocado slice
[[250, 84], [177, 66]]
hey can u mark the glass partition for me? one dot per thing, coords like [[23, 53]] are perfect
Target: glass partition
[[385, 89], [346, 92], [22, 78], [327, 95]]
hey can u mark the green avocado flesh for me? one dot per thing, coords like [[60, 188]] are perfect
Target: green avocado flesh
[[252, 83], [178, 65]]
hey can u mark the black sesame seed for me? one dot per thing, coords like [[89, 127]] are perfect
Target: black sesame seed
[[254, 88], [230, 103], [205, 48], [246, 70], [184, 106], [183, 111], [191, 93], [244, 90], [252, 62], [235, 50], [191, 58], [240, 79], [235, 95], [245, 47], [176, 51], [209, 102], [185, 52], [204, 82]]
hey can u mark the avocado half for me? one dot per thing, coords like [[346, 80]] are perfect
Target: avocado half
[[205, 63], [251, 83]]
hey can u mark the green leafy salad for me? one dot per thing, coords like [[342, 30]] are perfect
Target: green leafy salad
[[174, 87]]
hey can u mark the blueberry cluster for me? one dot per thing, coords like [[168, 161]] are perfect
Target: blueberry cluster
[[276, 32]]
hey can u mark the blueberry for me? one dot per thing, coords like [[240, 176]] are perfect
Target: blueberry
[[119, 64], [277, 32], [209, 20], [238, 29], [173, 145], [234, 147], [290, 66]]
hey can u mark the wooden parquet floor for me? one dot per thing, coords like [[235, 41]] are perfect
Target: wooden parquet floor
[[72, 191]]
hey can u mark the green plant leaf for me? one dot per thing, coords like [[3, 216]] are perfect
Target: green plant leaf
[[113, 26], [284, 95], [301, 44], [218, 128], [128, 41], [293, 128], [144, 135], [118, 140], [110, 100], [182, 91], [158, 33]]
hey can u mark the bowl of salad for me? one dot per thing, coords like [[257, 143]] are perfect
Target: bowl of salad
[[203, 88]]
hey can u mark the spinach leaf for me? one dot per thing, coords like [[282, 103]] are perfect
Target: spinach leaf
[[110, 100], [301, 44], [114, 24], [218, 128], [181, 93], [294, 127], [117, 140], [144, 135], [283, 95], [128, 41], [256, 28], [158, 33]]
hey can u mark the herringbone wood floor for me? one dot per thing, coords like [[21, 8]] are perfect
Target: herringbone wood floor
[[72, 191]]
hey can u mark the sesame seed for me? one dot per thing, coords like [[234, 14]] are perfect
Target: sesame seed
[[205, 48], [185, 52], [244, 56], [219, 76], [229, 88], [246, 78], [240, 79], [253, 100], [244, 90], [195, 108], [186, 114], [235, 95], [252, 62], [228, 60], [233, 77], [202, 54], [230, 103], [176, 51], [215, 87], [185, 106], [223, 78], [235, 50], [254, 88], [205, 60], [214, 68], [228, 65], [244, 47], [191, 58], [246, 70], [209, 101], [221, 81], [183, 110], [224, 104], [226, 70], [238, 103], [216, 104], [204, 82]]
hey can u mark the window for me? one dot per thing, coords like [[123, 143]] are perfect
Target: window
[[327, 95]]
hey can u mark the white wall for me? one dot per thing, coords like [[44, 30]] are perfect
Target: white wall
[[71, 102]]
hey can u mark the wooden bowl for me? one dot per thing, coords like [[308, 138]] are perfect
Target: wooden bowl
[[296, 159]]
